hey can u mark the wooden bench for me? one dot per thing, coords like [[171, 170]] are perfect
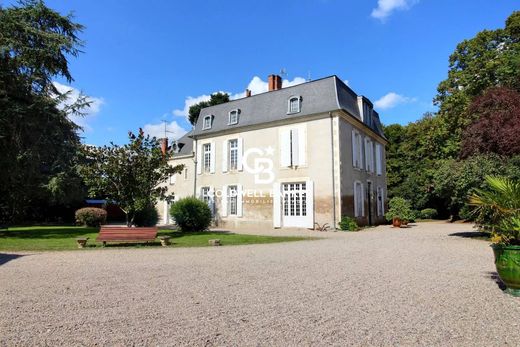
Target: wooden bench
[[125, 234]]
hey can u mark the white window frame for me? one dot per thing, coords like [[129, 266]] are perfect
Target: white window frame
[[232, 121], [185, 173], [233, 154], [359, 205], [208, 118], [357, 150], [299, 106], [232, 200], [206, 157], [204, 195]]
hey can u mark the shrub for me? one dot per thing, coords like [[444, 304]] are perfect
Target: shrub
[[147, 217], [91, 216], [191, 214], [348, 224], [399, 208], [428, 213]]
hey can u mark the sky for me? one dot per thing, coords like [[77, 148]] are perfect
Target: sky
[[145, 62]]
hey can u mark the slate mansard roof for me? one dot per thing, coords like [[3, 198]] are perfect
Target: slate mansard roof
[[318, 96]]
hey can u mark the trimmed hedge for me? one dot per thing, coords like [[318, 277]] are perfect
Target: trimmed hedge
[[191, 214], [91, 216], [147, 217], [348, 224], [428, 213]]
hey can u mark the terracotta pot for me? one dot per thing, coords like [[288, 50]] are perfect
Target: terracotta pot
[[396, 223]]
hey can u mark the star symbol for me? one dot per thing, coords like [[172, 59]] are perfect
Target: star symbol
[[269, 150]]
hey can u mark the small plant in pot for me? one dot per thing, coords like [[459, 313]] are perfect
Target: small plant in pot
[[399, 211], [497, 210]]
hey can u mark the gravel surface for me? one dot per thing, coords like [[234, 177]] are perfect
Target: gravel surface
[[383, 287]]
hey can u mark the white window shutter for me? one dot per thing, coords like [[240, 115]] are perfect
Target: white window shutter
[[363, 197], [366, 155], [355, 200], [239, 201], [212, 200], [295, 147], [378, 159], [225, 150], [302, 146], [354, 149], [199, 159], [240, 143], [212, 159], [277, 207], [223, 202], [285, 148], [310, 204]]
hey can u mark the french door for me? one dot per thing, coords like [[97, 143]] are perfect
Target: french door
[[294, 204]]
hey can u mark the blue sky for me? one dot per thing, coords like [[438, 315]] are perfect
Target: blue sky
[[143, 60]]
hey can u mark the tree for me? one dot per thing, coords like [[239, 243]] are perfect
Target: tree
[[38, 141], [215, 99], [491, 58], [131, 175], [497, 124]]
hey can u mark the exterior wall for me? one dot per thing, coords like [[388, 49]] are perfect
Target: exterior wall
[[349, 174], [258, 210], [181, 186]]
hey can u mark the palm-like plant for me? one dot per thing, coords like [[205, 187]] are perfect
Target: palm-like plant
[[498, 209]]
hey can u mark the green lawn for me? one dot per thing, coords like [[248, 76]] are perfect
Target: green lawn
[[46, 238]]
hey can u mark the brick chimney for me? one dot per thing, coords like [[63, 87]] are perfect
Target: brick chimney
[[164, 145], [248, 93], [274, 82]]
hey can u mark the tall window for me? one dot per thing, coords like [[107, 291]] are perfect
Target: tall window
[[232, 195], [359, 201], [379, 159], [204, 192], [233, 117], [186, 173], [206, 124], [206, 148], [233, 154], [357, 150], [294, 104], [369, 155]]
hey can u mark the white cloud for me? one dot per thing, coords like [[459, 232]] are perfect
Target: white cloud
[[386, 7], [391, 100], [174, 130], [256, 86], [90, 111]]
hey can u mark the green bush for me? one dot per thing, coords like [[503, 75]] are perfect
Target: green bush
[[191, 214], [147, 217], [91, 216], [348, 224], [399, 208], [428, 213]]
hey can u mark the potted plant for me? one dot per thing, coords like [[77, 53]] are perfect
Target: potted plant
[[497, 210], [399, 210]]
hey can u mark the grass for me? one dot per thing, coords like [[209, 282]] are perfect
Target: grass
[[50, 238]]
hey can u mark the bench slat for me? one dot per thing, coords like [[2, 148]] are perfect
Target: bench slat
[[124, 234]]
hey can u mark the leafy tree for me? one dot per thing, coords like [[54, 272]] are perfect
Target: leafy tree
[[215, 99], [38, 141], [491, 58], [131, 175], [497, 124]]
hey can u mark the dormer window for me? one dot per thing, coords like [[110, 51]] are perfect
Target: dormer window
[[233, 117], [207, 122], [294, 105]]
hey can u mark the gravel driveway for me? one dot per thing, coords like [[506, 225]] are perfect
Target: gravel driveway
[[383, 287]]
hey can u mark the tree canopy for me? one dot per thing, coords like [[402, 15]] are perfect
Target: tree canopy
[[131, 175], [38, 141], [215, 99]]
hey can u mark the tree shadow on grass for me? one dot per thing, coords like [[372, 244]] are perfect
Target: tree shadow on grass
[[493, 275], [472, 235], [47, 232], [7, 257]]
